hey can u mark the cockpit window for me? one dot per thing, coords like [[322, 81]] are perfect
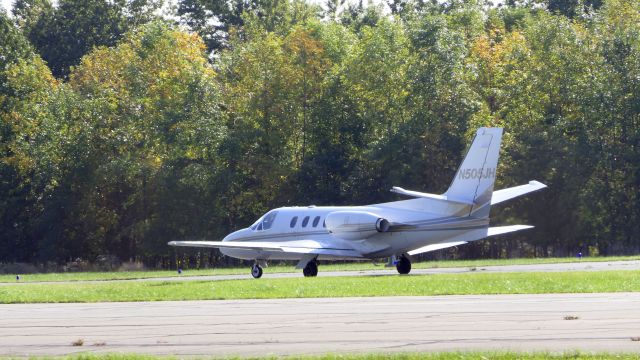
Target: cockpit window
[[268, 220], [265, 222], [255, 224]]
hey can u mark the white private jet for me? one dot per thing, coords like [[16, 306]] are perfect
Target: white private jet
[[396, 229]]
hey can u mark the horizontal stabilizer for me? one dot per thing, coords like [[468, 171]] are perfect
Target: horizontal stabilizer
[[497, 230], [295, 247], [417, 194], [435, 247], [506, 194]]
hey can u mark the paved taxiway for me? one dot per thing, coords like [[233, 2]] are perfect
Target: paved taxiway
[[605, 322], [575, 266]]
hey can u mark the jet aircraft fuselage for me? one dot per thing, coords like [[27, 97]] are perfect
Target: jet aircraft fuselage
[[355, 240], [395, 229]]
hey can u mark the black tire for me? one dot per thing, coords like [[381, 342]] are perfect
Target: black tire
[[404, 265], [311, 269], [256, 271]]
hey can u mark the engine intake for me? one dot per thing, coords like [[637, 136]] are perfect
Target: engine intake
[[382, 225], [355, 225]]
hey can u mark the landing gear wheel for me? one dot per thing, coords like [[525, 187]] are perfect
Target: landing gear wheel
[[311, 269], [403, 265], [256, 271]]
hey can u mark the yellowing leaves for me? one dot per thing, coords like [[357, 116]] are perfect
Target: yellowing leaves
[[495, 51], [32, 87], [496, 58]]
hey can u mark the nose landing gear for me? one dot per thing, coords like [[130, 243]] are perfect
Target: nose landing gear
[[256, 271], [403, 265]]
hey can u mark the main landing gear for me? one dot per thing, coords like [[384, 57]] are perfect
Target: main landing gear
[[403, 265], [311, 269], [256, 271]]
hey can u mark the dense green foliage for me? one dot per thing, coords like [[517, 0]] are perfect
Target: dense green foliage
[[134, 133], [62, 35]]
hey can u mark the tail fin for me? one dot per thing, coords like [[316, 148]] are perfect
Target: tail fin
[[474, 180]]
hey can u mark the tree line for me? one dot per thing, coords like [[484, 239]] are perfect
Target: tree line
[[129, 123]]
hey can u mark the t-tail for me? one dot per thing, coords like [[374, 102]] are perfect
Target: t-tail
[[473, 183]]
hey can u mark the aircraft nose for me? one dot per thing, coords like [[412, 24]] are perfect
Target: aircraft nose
[[235, 235]]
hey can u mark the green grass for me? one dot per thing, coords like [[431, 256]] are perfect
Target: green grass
[[356, 286], [347, 266], [479, 355]]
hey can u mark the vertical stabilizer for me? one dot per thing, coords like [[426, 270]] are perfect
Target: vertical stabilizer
[[473, 183]]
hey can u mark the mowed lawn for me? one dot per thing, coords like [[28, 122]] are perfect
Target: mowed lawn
[[346, 266], [356, 286], [480, 355]]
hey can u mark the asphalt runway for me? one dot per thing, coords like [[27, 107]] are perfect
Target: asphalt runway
[[575, 266], [553, 322]]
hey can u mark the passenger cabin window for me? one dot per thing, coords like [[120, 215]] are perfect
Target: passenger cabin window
[[293, 221], [266, 222], [305, 221], [316, 221]]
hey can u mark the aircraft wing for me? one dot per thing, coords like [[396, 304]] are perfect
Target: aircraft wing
[[497, 230], [506, 194], [296, 247], [435, 247], [492, 231]]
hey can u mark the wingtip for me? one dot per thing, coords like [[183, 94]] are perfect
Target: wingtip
[[522, 227], [537, 183], [171, 243]]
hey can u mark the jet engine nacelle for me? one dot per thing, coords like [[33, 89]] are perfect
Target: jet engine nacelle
[[355, 225]]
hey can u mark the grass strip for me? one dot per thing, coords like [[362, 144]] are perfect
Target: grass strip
[[479, 355], [357, 286], [346, 266]]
